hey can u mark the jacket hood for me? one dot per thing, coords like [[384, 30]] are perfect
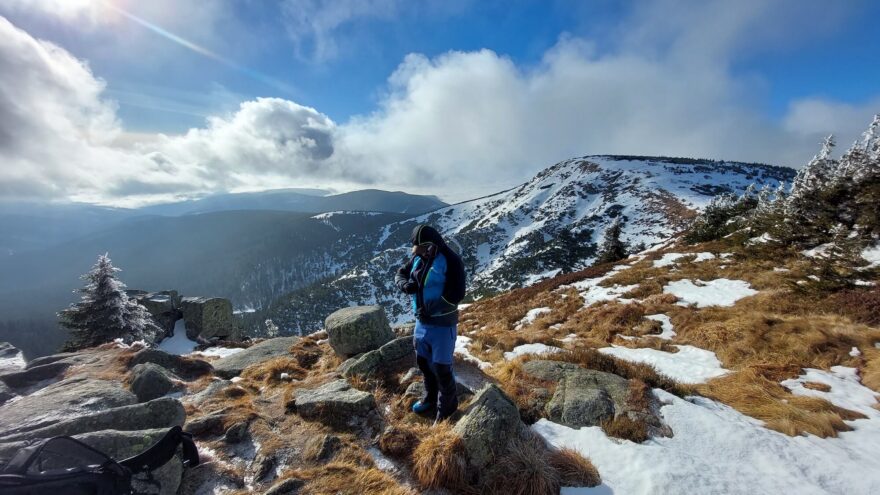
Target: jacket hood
[[425, 233]]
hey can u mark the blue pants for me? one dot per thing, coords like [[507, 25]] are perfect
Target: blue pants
[[436, 344], [434, 349]]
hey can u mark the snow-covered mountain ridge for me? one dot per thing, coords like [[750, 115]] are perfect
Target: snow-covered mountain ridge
[[548, 225]]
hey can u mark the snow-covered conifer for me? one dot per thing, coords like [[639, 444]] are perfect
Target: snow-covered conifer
[[105, 312], [612, 248]]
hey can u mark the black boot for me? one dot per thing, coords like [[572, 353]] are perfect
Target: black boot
[[448, 395], [429, 401]]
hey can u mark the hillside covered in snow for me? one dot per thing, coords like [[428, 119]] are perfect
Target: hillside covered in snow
[[549, 225]]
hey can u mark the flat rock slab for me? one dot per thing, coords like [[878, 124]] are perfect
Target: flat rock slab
[[61, 401], [358, 329], [335, 402], [160, 413], [184, 367], [32, 376], [233, 365]]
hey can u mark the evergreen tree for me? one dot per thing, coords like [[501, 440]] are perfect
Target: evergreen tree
[[723, 215], [613, 248], [104, 312]]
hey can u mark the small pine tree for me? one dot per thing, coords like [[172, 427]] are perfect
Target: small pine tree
[[836, 267], [725, 214], [613, 248], [271, 329], [104, 312]]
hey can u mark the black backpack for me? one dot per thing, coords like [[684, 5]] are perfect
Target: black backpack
[[63, 465]]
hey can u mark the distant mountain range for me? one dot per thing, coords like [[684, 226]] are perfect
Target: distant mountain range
[[549, 225], [295, 256]]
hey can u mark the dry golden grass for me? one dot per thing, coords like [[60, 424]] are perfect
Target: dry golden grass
[[523, 469], [346, 478], [861, 305], [870, 370], [401, 440], [440, 460], [269, 372], [746, 336], [625, 428], [756, 391], [574, 469], [821, 387], [528, 393]]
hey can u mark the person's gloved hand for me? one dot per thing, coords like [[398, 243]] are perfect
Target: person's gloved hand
[[410, 287]]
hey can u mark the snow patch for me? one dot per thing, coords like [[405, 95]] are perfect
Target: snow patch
[[846, 390], [219, 352], [178, 343], [461, 349], [531, 316], [872, 255], [718, 292], [689, 365], [522, 350], [716, 449], [668, 331], [671, 258]]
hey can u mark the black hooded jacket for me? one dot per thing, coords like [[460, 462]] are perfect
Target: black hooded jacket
[[454, 287]]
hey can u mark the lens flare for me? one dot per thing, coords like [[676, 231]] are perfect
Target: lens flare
[[254, 74]]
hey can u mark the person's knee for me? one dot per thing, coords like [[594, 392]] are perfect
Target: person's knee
[[444, 373]]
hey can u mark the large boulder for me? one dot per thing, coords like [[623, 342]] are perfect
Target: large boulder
[[490, 422], [6, 393], [187, 368], [60, 401], [164, 306], [209, 318], [358, 329], [150, 381], [588, 397], [394, 356], [160, 413], [334, 403], [233, 365]]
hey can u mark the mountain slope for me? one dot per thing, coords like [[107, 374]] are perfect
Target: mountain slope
[[305, 201], [547, 226]]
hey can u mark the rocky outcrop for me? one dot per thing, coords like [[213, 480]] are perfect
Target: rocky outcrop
[[150, 381], [11, 359], [34, 375], [208, 318], [164, 306], [335, 403], [77, 396], [160, 413], [588, 397], [233, 365], [489, 424], [358, 329], [186, 368]]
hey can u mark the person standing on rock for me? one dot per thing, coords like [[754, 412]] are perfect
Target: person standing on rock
[[435, 279]]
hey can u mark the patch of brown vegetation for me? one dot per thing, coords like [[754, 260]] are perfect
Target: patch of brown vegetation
[[270, 371], [573, 468], [346, 478], [870, 370], [821, 387], [440, 460], [524, 469], [401, 440], [528, 393], [860, 305], [625, 428], [756, 391]]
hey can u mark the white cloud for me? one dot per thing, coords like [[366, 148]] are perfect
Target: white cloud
[[460, 124]]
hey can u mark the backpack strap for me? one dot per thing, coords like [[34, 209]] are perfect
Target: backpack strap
[[163, 450]]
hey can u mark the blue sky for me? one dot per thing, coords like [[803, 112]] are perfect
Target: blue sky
[[776, 75]]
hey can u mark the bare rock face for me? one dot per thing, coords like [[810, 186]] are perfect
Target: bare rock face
[[60, 401], [187, 368], [335, 403], [358, 329], [491, 421], [209, 318], [164, 306]]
